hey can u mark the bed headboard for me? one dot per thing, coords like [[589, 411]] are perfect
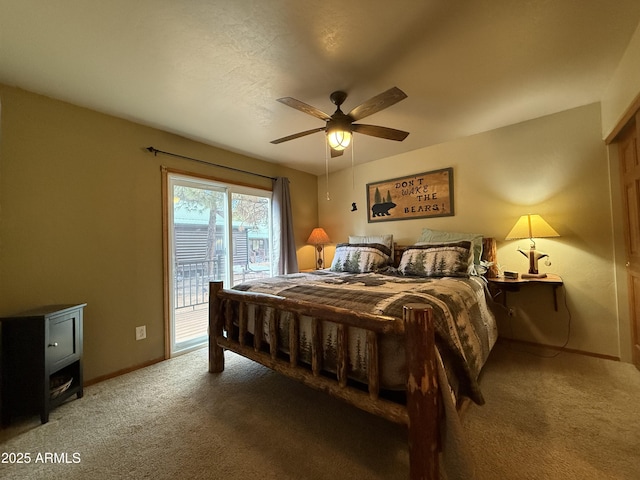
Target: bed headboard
[[488, 254]]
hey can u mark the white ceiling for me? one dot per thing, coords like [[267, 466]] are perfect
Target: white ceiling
[[211, 70]]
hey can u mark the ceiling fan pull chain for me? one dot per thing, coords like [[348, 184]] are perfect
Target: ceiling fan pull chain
[[353, 173], [326, 165], [354, 207]]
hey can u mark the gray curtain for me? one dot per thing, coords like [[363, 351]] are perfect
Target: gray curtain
[[284, 245]]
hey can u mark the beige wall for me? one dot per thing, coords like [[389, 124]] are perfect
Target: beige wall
[[555, 166], [623, 88], [81, 221]]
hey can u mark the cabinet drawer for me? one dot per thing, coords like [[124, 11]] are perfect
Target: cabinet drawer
[[63, 344]]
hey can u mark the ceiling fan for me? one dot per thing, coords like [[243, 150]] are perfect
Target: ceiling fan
[[339, 126]]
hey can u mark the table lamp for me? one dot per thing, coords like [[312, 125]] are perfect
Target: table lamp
[[318, 238], [532, 226]]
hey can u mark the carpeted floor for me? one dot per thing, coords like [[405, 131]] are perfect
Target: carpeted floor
[[569, 417]]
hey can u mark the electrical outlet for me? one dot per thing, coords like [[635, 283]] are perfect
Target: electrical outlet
[[141, 332]]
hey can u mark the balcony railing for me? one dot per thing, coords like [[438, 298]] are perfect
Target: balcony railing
[[192, 282], [192, 279]]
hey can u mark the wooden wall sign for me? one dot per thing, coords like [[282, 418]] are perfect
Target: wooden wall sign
[[427, 194]]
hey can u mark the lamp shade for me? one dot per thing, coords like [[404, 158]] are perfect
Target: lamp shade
[[318, 237], [531, 226]]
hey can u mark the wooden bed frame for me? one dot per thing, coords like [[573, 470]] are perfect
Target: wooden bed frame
[[422, 413]]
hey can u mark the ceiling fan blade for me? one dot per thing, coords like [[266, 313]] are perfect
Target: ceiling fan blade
[[377, 103], [298, 135], [303, 107], [380, 132], [336, 153]]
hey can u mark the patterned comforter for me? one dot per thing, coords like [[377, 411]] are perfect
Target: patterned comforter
[[465, 327]]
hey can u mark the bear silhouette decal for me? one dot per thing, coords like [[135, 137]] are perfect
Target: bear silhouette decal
[[382, 209]]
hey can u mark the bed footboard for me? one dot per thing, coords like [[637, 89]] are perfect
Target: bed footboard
[[228, 328]]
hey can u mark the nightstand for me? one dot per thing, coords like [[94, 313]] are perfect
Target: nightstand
[[41, 360], [503, 285]]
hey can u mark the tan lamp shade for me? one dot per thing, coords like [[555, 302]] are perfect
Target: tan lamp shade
[[318, 237], [531, 226]]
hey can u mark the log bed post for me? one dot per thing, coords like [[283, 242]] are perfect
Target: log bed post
[[216, 353], [422, 393]]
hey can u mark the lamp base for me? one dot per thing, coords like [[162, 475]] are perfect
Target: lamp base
[[533, 255], [533, 275], [319, 257]]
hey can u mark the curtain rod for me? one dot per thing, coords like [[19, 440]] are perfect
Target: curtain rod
[[155, 152]]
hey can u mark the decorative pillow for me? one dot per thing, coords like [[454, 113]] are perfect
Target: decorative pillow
[[383, 239], [360, 257], [436, 236], [438, 260]]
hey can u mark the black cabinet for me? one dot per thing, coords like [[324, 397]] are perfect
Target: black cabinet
[[41, 360]]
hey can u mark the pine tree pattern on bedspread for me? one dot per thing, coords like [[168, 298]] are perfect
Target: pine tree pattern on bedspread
[[465, 327]]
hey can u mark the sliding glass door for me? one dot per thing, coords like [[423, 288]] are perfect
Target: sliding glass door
[[216, 231]]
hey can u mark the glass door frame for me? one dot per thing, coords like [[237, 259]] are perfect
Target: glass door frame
[[201, 271], [168, 242]]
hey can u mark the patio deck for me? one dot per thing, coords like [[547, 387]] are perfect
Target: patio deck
[[191, 322]]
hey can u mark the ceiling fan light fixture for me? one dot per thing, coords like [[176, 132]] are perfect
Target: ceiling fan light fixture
[[339, 139]]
